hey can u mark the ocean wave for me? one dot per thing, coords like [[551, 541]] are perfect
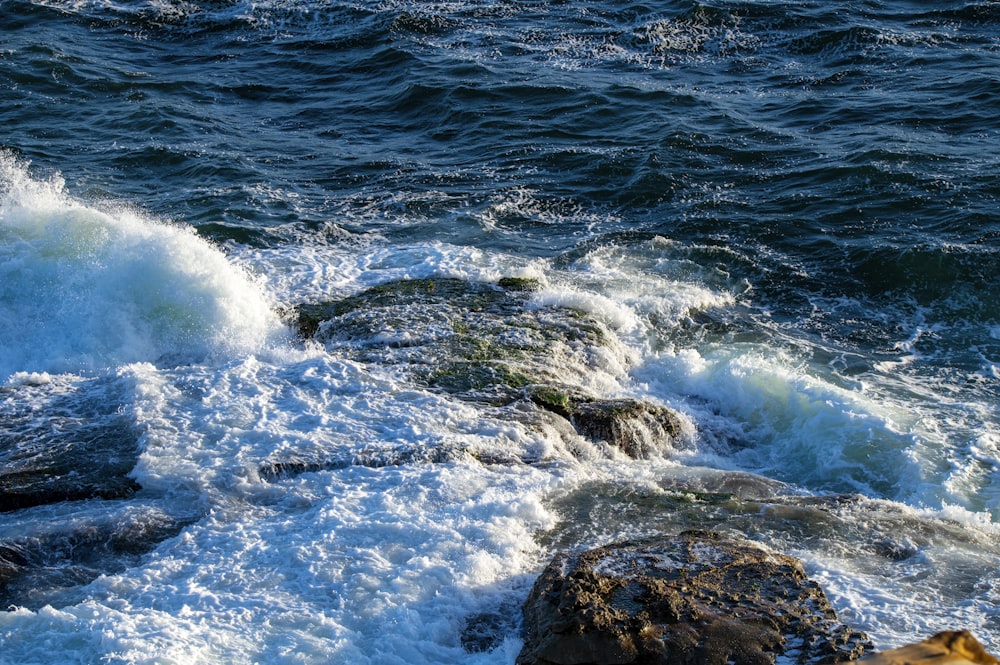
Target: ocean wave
[[86, 289]]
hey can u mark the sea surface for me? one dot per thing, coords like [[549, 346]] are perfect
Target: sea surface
[[784, 217]]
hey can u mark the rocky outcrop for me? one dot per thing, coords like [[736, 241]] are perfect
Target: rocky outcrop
[[695, 599], [487, 343], [475, 340], [46, 556], [639, 429], [951, 647], [64, 446]]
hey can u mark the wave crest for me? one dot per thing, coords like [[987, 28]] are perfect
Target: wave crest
[[83, 289]]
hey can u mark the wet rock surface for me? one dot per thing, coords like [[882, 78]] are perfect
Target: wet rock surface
[[73, 446], [487, 343], [638, 429], [884, 537], [68, 506], [696, 598], [476, 340], [46, 557]]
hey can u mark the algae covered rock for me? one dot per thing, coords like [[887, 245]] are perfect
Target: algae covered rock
[[640, 429], [694, 599], [476, 340], [489, 343]]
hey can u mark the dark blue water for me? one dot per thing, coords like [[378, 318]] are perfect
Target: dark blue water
[[787, 211]]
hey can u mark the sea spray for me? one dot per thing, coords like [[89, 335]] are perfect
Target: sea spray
[[85, 289]]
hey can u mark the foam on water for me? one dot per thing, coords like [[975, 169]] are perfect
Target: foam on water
[[947, 584], [344, 564], [84, 289], [759, 404], [344, 561], [330, 509]]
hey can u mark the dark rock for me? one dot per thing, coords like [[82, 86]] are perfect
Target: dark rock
[[38, 486], [895, 549], [64, 445], [482, 632], [641, 430], [519, 284], [277, 469], [67, 449], [485, 631], [691, 600], [50, 555]]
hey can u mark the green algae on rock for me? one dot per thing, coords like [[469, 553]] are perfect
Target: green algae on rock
[[488, 343]]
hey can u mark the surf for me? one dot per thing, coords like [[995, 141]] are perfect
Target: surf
[[85, 289]]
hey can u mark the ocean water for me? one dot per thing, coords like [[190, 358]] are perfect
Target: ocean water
[[782, 218]]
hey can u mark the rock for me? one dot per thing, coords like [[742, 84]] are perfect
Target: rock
[[952, 646], [640, 429], [72, 445], [483, 343], [485, 631], [45, 557], [289, 467], [519, 284], [69, 504], [694, 599], [475, 340]]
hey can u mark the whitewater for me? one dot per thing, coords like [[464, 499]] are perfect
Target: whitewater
[[164, 213]]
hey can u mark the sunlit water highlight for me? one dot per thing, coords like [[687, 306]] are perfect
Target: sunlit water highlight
[[782, 217]]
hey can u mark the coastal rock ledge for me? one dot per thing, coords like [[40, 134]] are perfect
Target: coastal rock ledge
[[694, 599]]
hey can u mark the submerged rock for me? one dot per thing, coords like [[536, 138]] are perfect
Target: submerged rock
[[694, 599], [64, 445], [49, 553], [68, 510], [951, 647], [485, 631]]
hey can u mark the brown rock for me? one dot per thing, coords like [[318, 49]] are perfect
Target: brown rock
[[641, 430], [691, 600], [952, 646]]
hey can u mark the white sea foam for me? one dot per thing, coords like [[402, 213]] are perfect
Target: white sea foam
[[30, 378], [335, 561], [84, 289], [341, 564], [760, 409], [945, 587]]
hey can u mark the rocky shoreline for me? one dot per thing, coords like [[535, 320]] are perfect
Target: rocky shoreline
[[693, 599], [696, 597], [693, 589]]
